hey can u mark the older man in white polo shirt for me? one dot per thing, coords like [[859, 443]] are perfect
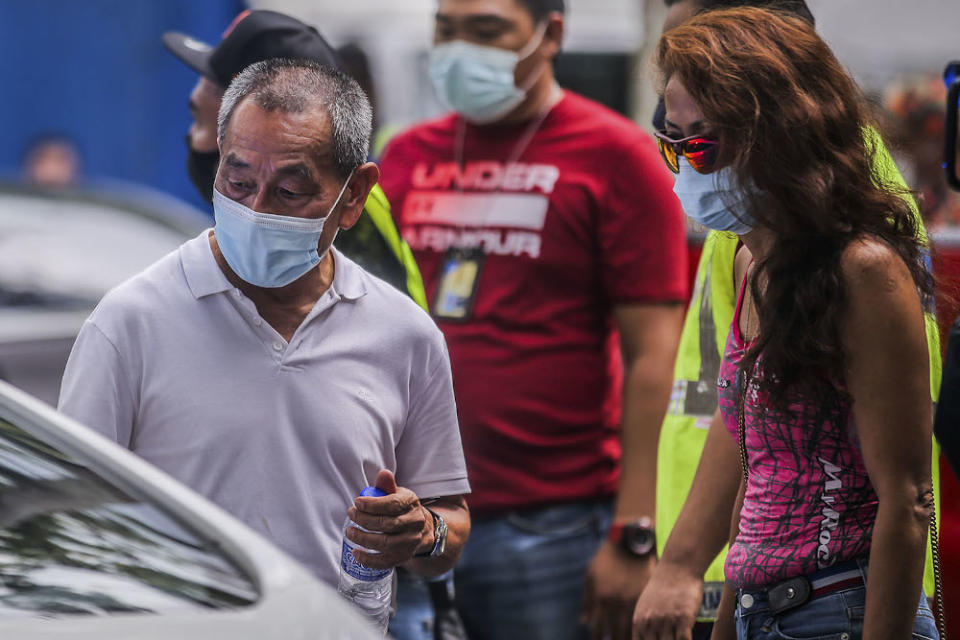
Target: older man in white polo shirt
[[267, 371]]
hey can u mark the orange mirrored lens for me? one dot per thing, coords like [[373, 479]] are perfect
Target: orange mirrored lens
[[701, 154], [669, 155]]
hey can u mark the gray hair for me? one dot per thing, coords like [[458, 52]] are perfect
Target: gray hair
[[294, 86]]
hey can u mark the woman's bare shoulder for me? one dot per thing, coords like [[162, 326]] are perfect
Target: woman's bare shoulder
[[870, 266]]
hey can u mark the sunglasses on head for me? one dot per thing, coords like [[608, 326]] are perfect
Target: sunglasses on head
[[700, 152]]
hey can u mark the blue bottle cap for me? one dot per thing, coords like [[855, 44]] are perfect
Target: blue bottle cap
[[371, 492]]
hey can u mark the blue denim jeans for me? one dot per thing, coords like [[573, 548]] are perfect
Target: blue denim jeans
[[425, 609], [834, 616], [522, 575], [414, 618]]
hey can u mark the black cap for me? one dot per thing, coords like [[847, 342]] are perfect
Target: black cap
[[253, 36]]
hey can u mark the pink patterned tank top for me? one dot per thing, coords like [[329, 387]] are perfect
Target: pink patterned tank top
[[809, 502]]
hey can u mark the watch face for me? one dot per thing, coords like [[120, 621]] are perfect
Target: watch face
[[441, 543], [638, 540]]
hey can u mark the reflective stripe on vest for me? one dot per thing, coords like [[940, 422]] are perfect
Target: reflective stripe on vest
[[694, 397], [378, 208]]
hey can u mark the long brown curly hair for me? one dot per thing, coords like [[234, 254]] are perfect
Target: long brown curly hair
[[794, 126]]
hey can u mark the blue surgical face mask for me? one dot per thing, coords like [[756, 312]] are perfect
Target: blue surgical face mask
[[265, 249], [712, 199], [478, 81]]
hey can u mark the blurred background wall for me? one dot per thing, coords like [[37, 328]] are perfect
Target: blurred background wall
[[876, 39], [95, 70]]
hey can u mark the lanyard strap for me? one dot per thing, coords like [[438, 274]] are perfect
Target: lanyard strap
[[525, 139]]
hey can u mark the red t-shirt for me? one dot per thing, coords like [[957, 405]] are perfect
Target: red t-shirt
[[523, 264]]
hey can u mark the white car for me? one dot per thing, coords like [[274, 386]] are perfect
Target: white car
[[98, 544], [60, 251]]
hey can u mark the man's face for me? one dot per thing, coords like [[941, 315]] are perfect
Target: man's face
[[280, 163], [680, 12], [505, 24], [204, 106], [53, 164]]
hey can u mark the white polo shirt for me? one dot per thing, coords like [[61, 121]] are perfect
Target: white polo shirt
[[177, 365]]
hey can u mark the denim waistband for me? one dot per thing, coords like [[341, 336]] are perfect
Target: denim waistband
[[850, 574]]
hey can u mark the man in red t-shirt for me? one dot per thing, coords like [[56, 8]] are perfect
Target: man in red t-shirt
[[540, 219]]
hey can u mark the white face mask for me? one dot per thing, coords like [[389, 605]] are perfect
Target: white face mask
[[478, 81], [265, 249], [712, 199]]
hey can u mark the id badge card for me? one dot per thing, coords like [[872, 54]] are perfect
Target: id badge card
[[459, 277]]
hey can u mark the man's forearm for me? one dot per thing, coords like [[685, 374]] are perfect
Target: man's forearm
[[649, 336], [702, 529], [457, 517], [646, 394]]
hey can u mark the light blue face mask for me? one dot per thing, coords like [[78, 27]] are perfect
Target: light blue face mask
[[478, 81], [712, 199], [265, 249]]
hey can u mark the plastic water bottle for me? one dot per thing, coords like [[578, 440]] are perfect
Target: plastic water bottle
[[369, 589]]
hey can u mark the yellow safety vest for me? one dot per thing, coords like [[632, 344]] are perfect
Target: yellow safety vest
[[375, 244], [694, 397]]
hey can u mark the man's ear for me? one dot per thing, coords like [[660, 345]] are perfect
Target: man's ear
[[553, 36], [355, 197]]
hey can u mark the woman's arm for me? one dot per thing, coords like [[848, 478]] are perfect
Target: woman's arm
[[725, 627], [669, 604], [888, 377], [671, 600]]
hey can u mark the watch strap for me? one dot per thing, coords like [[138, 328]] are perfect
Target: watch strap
[[439, 536], [615, 533]]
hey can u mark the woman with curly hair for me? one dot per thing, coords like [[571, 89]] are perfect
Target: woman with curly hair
[[825, 381]]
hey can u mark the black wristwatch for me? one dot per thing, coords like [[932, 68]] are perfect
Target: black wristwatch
[[636, 537], [439, 536]]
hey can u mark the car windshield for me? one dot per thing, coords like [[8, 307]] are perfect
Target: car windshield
[[71, 543]]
